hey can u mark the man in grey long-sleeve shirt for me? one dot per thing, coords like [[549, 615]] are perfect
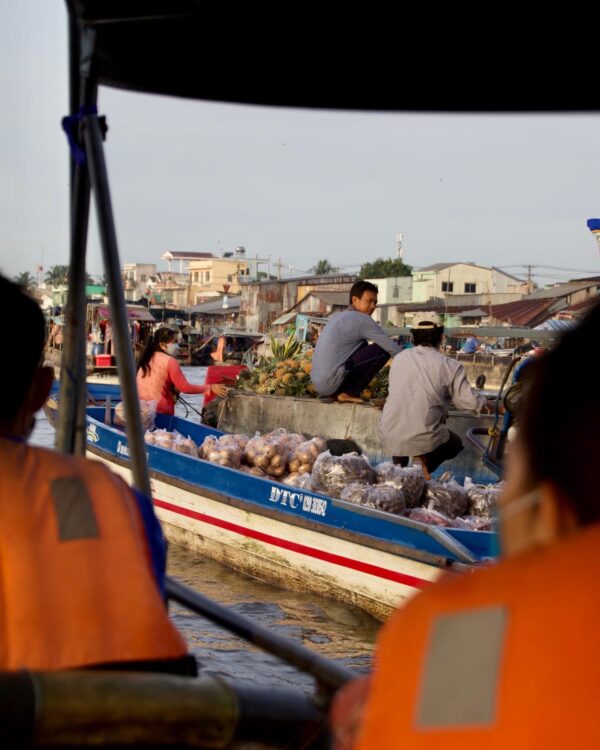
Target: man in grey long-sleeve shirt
[[424, 383], [344, 362]]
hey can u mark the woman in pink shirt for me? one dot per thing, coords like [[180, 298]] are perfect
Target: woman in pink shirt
[[159, 375]]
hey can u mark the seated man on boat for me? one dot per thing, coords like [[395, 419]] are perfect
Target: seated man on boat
[[344, 362], [82, 555], [423, 384], [506, 656], [159, 376]]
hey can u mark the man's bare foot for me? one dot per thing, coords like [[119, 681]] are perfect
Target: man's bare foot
[[346, 398], [421, 461]]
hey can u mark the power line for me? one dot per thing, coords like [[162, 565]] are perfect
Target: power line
[[553, 268]]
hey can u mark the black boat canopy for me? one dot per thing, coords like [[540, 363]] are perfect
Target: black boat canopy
[[332, 55]]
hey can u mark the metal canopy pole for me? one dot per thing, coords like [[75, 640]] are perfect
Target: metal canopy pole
[[70, 433], [92, 134]]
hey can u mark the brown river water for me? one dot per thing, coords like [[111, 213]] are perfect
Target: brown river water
[[330, 628]]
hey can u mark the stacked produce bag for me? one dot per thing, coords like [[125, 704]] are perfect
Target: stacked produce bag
[[306, 463]]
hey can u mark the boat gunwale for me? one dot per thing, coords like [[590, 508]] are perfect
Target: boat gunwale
[[347, 535]]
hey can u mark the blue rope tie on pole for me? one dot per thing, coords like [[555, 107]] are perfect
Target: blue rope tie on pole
[[69, 125]]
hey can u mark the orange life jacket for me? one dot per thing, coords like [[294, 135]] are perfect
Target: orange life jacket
[[506, 657], [76, 584]]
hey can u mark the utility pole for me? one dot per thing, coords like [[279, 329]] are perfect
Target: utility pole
[[529, 280], [278, 266]]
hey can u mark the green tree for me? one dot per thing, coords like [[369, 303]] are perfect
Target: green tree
[[384, 268], [323, 267], [57, 275], [25, 280]]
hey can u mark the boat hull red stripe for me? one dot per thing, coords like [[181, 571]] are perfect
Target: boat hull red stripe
[[346, 562]]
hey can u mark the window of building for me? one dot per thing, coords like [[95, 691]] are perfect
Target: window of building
[[229, 277], [395, 292], [207, 277], [470, 288], [447, 286], [195, 275], [143, 277]]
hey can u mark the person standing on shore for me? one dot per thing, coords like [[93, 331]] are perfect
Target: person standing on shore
[[344, 362]]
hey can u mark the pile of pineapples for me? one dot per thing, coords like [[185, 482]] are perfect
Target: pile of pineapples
[[280, 377], [287, 373]]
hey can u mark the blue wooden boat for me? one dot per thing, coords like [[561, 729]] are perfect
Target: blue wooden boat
[[97, 393], [298, 539]]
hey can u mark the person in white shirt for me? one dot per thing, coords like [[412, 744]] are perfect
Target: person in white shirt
[[424, 384]]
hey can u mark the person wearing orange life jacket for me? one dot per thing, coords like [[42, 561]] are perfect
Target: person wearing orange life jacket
[[82, 557], [506, 657]]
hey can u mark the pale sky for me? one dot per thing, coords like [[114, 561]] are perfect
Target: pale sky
[[503, 190]]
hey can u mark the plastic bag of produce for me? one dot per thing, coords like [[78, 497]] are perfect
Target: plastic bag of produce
[[237, 440], [482, 498], [432, 517], [290, 439], [221, 450], [147, 412], [150, 437], [210, 442], [303, 481], [303, 457], [267, 453], [477, 523], [186, 445], [332, 473], [446, 496], [378, 496], [409, 479], [164, 439]]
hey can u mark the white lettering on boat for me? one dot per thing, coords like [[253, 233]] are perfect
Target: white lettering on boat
[[315, 505], [90, 434], [123, 450]]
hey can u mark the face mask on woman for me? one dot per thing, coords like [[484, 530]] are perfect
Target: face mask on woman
[[173, 348]]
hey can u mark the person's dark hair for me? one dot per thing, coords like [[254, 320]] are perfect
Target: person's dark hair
[[560, 418], [26, 348], [153, 345], [360, 287], [427, 336]]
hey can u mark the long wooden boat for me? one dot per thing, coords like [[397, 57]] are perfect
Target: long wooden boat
[[301, 540]]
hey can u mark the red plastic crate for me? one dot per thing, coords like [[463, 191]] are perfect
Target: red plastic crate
[[103, 360]]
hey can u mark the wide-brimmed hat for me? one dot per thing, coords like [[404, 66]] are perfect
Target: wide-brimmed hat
[[422, 320]]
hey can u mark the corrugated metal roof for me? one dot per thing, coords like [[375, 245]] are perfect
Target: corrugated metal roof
[[555, 325], [332, 298], [560, 290], [526, 312], [285, 318]]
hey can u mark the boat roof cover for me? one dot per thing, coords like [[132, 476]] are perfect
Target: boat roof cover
[[341, 56]]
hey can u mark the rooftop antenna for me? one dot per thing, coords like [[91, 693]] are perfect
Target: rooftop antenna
[[594, 227], [399, 248]]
